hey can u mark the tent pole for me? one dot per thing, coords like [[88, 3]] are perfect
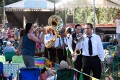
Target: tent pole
[[3, 12], [54, 7], [73, 15], [94, 16], [65, 16]]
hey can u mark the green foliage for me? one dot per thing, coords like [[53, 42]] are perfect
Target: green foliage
[[85, 14], [1, 11], [1, 7], [10, 1], [107, 15], [62, 15], [82, 15]]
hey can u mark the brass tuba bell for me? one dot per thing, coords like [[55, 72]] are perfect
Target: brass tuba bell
[[57, 24]]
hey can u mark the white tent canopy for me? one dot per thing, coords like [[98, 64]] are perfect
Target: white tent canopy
[[36, 4], [116, 1], [88, 3]]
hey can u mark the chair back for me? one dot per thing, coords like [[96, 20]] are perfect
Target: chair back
[[1, 68], [29, 73], [9, 55], [2, 59], [19, 60], [65, 74]]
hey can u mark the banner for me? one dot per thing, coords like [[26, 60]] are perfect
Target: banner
[[35, 3]]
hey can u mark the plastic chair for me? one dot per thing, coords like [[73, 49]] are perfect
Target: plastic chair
[[19, 60], [2, 59], [11, 69], [1, 70], [9, 55], [29, 73], [2, 75], [65, 74]]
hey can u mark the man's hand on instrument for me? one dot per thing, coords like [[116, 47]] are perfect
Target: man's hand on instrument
[[73, 54]]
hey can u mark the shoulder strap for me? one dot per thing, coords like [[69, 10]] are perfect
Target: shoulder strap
[[73, 38], [74, 35]]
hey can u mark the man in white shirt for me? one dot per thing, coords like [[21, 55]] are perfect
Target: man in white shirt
[[60, 45], [117, 23], [50, 53], [73, 40], [93, 53]]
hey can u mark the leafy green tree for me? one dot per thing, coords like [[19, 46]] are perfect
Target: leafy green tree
[[62, 15], [1, 7], [103, 15], [10, 1], [1, 11]]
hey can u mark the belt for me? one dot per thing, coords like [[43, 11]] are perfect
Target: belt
[[91, 56]]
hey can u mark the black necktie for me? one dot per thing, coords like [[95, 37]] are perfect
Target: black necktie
[[63, 44], [90, 46], [59, 43], [63, 41]]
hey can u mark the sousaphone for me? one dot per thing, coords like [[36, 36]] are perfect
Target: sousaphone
[[56, 23]]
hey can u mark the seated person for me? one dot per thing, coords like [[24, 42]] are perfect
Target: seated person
[[9, 48], [47, 74], [51, 75], [43, 74], [65, 73], [64, 65]]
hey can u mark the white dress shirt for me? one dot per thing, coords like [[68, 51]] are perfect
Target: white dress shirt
[[117, 21], [97, 46], [48, 37], [59, 42], [70, 43]]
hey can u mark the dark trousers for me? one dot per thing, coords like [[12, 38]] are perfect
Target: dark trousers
[[62, 54], [78, 65], [91, 64], [50, 53]]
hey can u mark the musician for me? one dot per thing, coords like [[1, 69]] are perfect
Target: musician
[[72, 45], [50, 53], [60, 45], [69, 57], [92, 51]]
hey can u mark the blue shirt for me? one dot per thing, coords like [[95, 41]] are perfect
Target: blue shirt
[[9, 49]]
